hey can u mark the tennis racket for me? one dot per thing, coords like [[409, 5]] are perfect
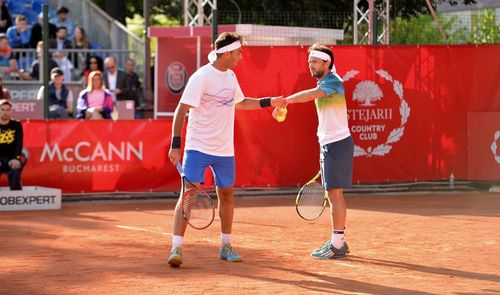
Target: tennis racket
[[311, 199], [197, 207]]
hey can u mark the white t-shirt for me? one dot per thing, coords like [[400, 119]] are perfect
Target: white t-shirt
[[212, 95], [332, 110]]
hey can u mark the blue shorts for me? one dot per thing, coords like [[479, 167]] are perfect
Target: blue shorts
[[196, 162], [335, 160]]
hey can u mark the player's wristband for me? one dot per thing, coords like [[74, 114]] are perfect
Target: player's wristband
[[176, 142], [265, 102]]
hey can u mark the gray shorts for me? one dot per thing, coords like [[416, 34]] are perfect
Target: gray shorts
[[335, 160]]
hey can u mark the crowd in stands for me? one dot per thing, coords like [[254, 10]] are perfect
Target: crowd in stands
[[103, 82]]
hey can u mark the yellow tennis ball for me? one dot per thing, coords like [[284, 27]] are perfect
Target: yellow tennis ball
[[281, 115]]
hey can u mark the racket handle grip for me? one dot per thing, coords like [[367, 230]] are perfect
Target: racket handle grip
[[179, 168]]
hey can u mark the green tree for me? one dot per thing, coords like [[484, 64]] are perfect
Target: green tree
[[172, 9], [485, 31], [423, 30]]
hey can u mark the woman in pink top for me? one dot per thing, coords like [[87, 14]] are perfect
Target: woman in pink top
[[95, 102]]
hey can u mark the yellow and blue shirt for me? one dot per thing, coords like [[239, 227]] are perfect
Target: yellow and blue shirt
[[332, 110]]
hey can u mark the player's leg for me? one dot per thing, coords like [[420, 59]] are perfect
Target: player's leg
[[338, 216], [224, 172], [226, 208], [336, 170], [194, 167]]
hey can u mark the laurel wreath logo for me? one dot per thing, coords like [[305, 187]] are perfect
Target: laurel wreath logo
[[396, 134], [494, 146]]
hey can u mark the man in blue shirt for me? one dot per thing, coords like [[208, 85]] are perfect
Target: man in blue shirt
[[63, 20], [19, 35], [336, 143]]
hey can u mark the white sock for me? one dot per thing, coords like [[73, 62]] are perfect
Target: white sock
[[225, 239], [338, 238], [176, 242]]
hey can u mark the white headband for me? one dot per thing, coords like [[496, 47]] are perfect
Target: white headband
[[320, 55], [212, 56]]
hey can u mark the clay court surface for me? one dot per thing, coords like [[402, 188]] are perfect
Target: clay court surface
[[422, 243]]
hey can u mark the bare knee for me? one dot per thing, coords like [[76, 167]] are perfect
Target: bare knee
[[336, 194], [225, 195]]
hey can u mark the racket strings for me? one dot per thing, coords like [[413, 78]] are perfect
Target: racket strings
[[311, 201], [198, 208]]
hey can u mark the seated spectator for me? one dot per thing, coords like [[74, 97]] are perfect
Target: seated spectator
[[60, 97], [37, 30], [4, 92], [8, 61], [63, 20], [19, 35], [80, 41], [11, 158], [115, 80], [133, 87], [95, 102], [5, 53], [13, 72], [94, 63], [5, 18], [60, 43], [36, 70]]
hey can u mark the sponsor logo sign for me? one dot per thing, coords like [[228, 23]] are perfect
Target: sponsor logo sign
[[30, 198], [494, 146], [372, 123], [176, 77], [87, 157]]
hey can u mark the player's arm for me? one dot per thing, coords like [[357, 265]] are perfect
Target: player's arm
[[305, 95], [250, 103], [178, 123]]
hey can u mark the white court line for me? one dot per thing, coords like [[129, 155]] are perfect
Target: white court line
[[142, 229]]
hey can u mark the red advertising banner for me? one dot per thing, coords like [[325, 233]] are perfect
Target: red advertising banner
[[415, 113], [483, 148], [178, 59], [89, 156], [407, 109]]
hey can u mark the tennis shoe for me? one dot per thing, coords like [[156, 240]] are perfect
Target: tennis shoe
[[327, 245], [175, 258], [227, 253], [330, 252]]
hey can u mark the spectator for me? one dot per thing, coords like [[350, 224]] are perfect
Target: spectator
[[133, 87], [19, 35], [5, 53], [63, 20], [36, 71], [80, 41], [8, 61], [60, 43], [37, 30], [4, 92], [94, 63], [60, 97], [95, 102], [114, 79], [11, 158], [5, 18]]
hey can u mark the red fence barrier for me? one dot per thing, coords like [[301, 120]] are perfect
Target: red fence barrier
[[408, 109]]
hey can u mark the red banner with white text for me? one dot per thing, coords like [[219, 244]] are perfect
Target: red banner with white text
[[89, 156], [408, 109]]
